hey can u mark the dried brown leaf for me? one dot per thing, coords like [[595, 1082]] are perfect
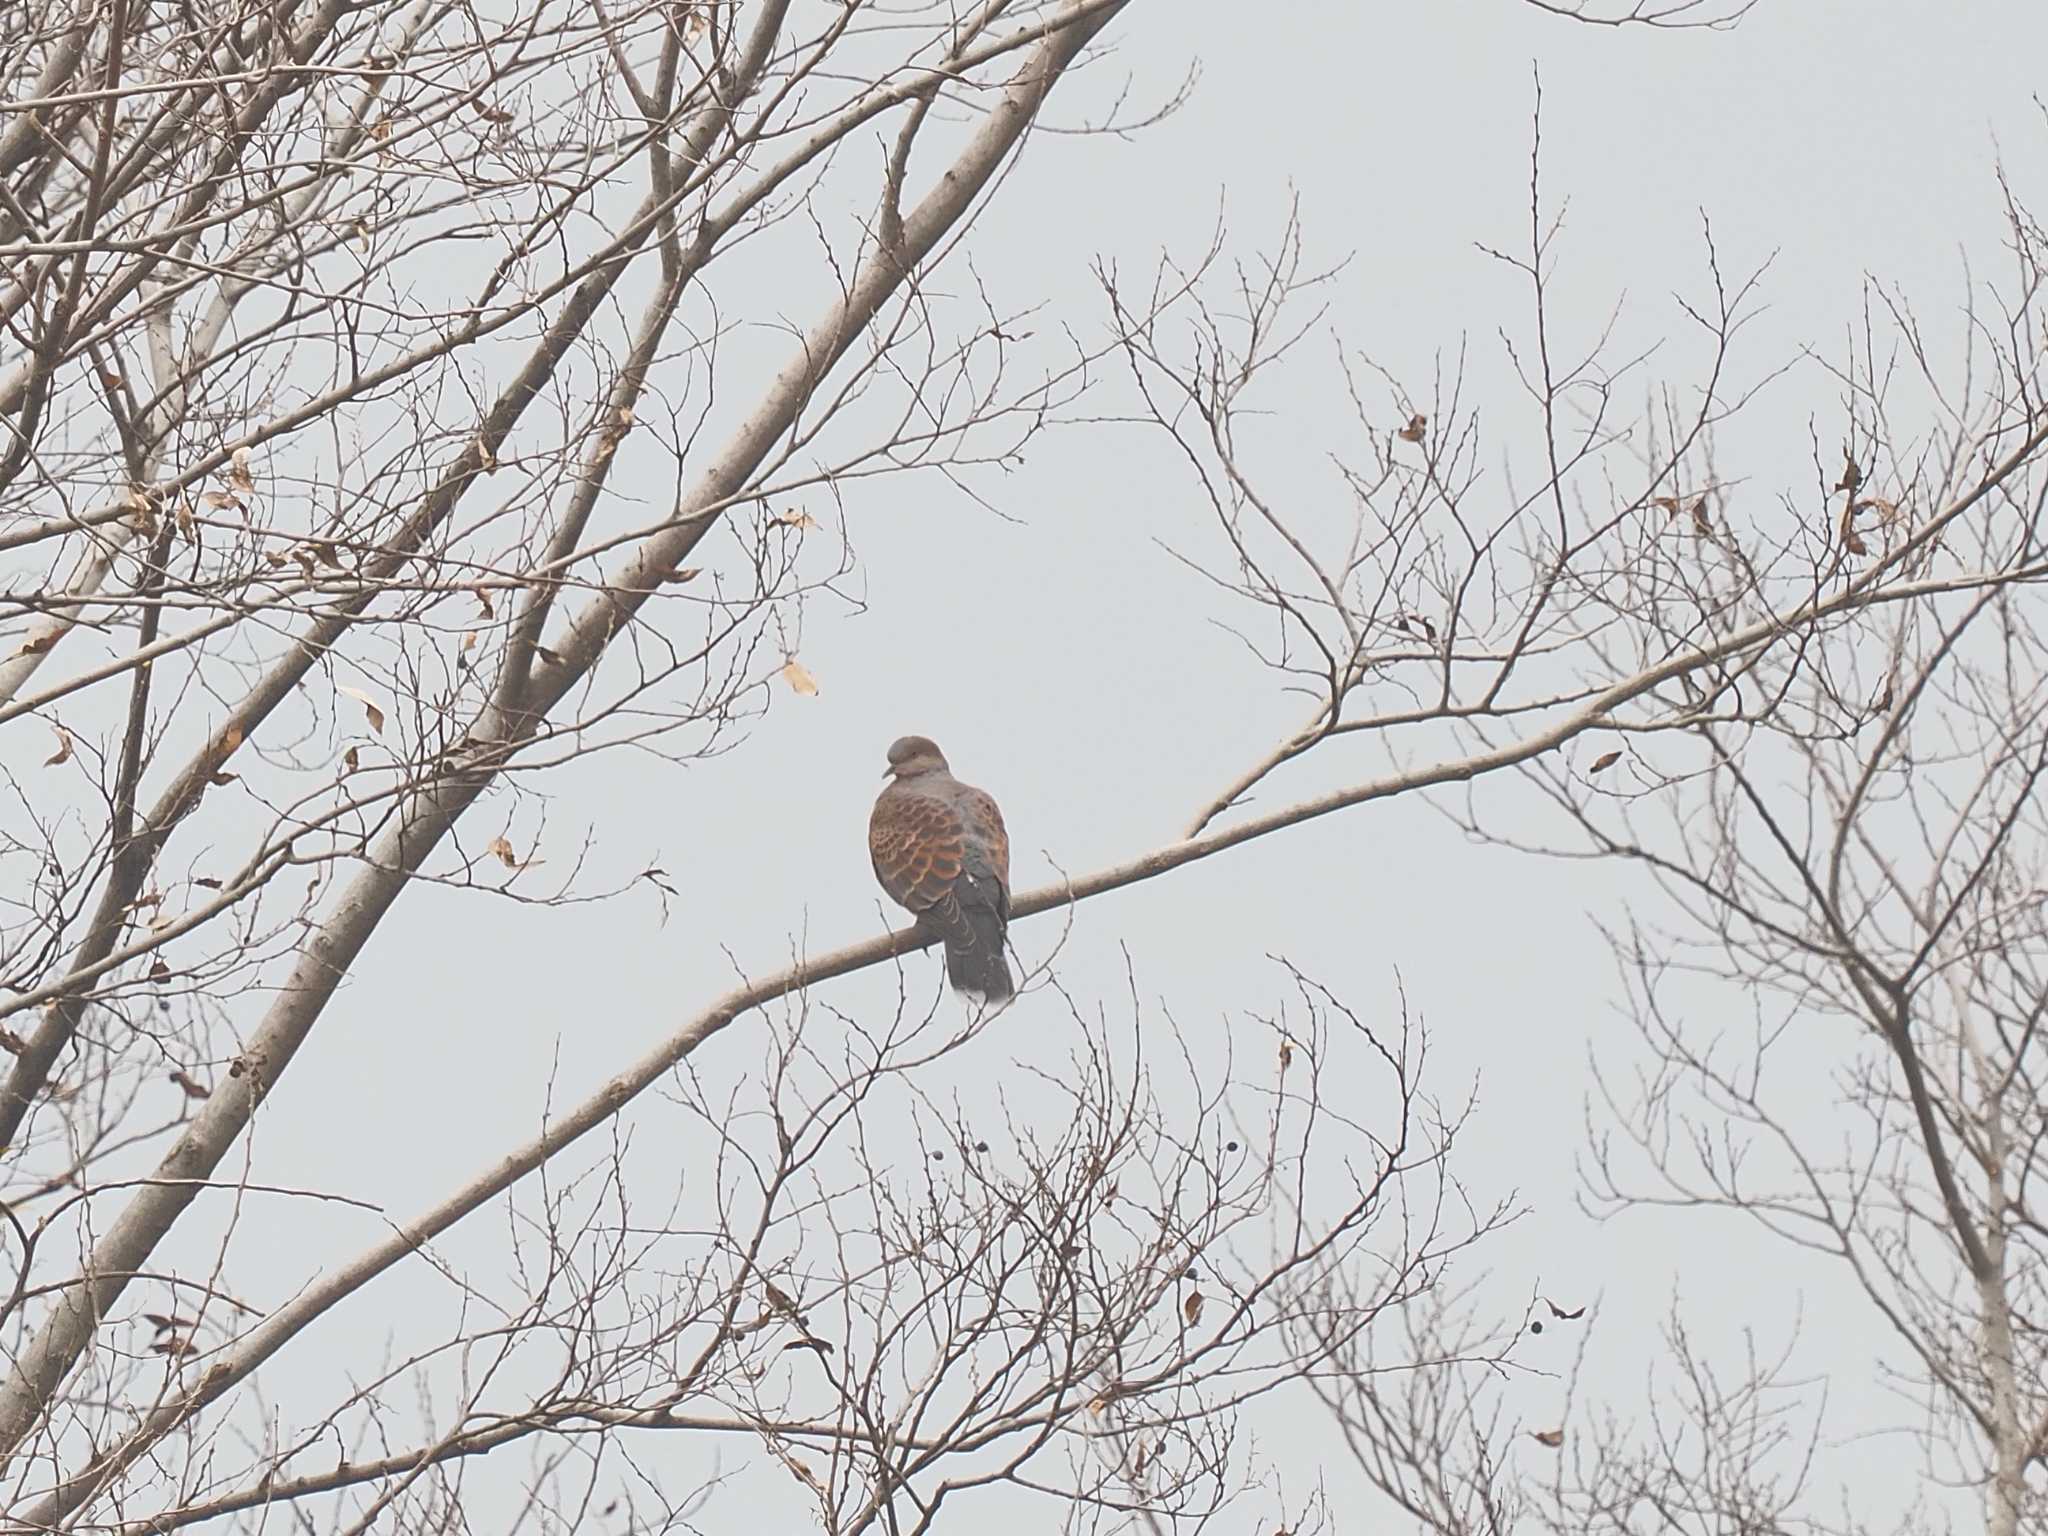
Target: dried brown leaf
[[1417, 425], [503, 849], [351, 760], [193, 1088], [63, 752], [1550, 1437], [799, 678], [1560, 1313], [1852, 541], [372, 711], [239, 477], [1191, 1309], [1700, 522], [796, 517], [1604, 761]]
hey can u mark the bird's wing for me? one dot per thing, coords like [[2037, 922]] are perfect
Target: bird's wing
[[985, 821], [919, 845]]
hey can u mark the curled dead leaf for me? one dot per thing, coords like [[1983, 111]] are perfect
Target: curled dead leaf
[[795, 517], [799, 678], [239, 476], [483, 597], [192, 1087], [1191, 1309], [35, 645], [1417, 425], [1852, 541], [1700, 523], [63, 752], [1286, 1052], [1604, 761], [159, 973], [372, 711], [503, 849], [1550, 1437], [351, 760], [1559, 1312]]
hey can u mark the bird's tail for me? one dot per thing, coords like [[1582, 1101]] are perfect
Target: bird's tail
[[974, 955]]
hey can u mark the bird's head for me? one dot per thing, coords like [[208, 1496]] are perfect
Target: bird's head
[[910, 756]]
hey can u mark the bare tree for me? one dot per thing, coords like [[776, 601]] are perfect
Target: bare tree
[[1819, 728], [318, 541]]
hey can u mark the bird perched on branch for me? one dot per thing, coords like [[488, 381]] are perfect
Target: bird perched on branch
[[940, 851]]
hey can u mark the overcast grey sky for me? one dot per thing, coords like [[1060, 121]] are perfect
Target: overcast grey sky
[[1069, 665]]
